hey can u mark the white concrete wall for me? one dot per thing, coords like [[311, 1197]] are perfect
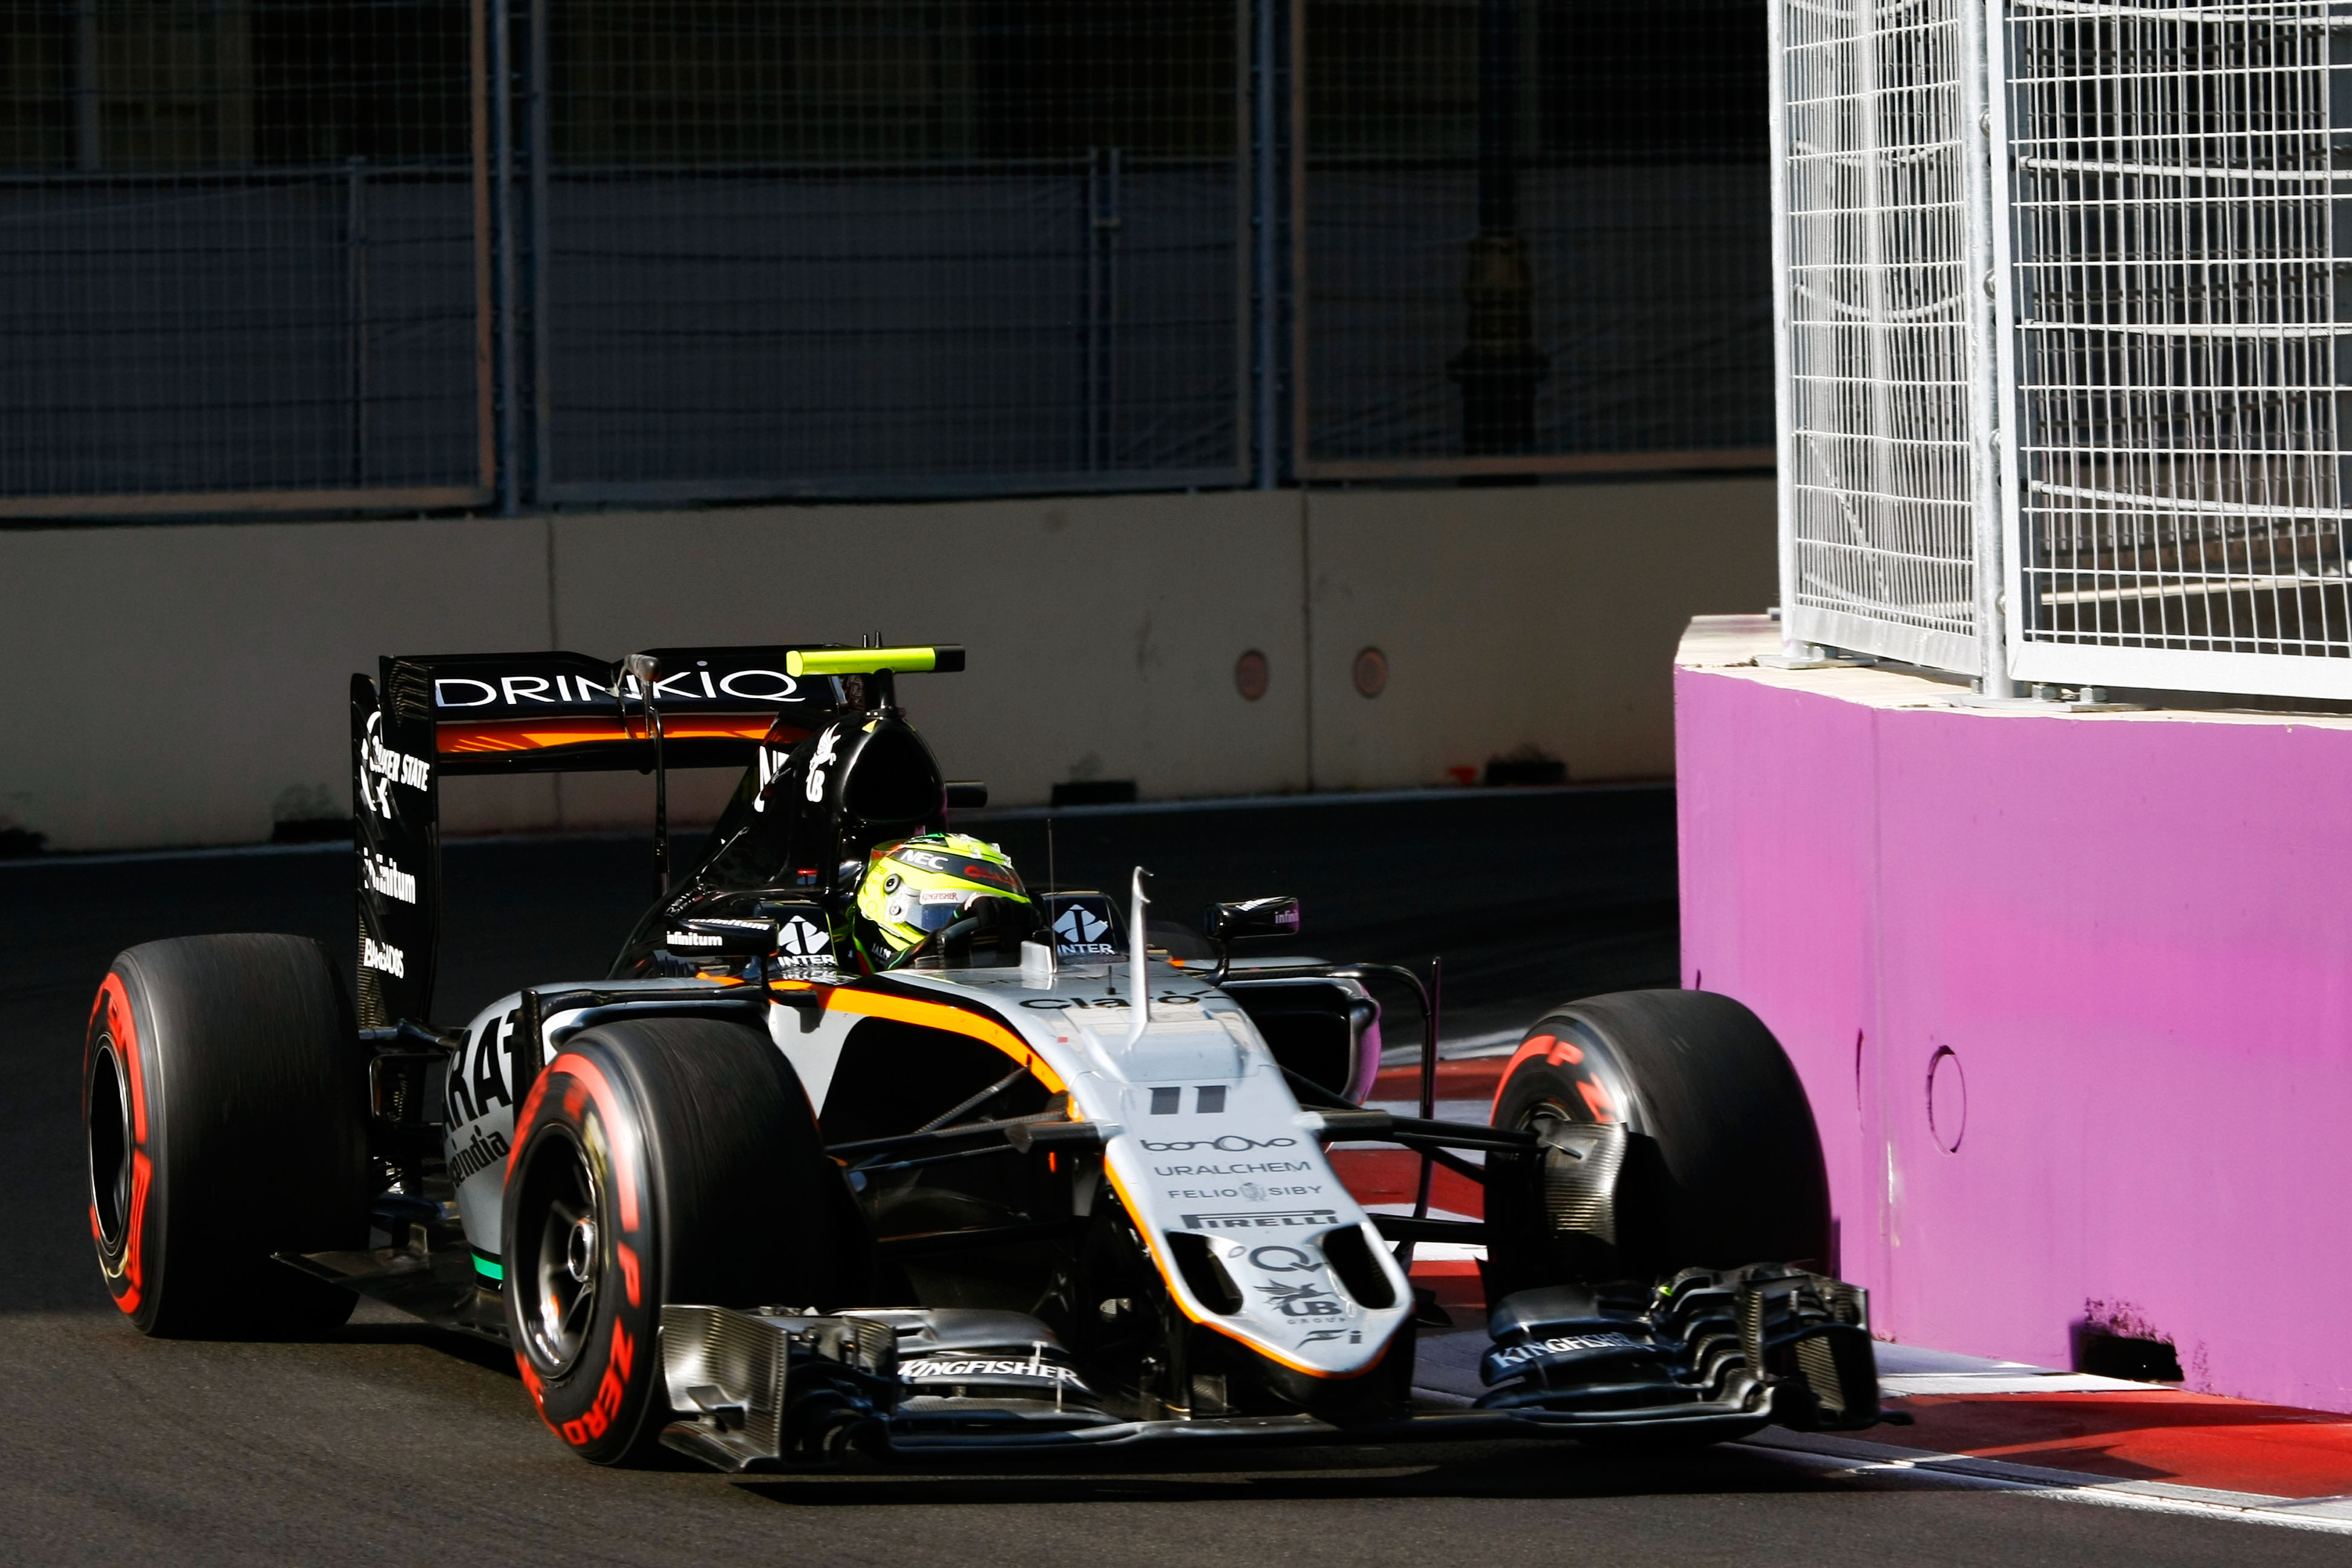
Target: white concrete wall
[[185, 684], [1542, 616]]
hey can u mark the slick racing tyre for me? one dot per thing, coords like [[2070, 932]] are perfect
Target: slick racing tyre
[[662, 1161], [1721, 1163], [223, 1098]]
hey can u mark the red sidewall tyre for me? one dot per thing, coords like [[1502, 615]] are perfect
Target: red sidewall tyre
[[657, 1162], [598, 1393], [222, 1110], [126, 1212]]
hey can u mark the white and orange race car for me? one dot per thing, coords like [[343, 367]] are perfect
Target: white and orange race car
[[1036, 1184]]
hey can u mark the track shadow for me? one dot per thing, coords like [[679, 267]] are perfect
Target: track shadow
[[1540, 1469], [456, 1346]]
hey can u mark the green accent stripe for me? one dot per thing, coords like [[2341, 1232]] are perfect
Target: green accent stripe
[[489, 1268], [870, 661]]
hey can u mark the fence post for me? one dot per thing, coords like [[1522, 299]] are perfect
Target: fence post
[[1103, 224], [534, 276], [502, 252], [1784, 439], [355, 308], [1499, 365], [89, 126], [1881, 483], [478, 154], [1987, 448], [1264, 190]]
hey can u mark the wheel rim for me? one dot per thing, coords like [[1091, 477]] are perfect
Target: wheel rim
[[109, 1129], [562, 1218], [1548, 1112]]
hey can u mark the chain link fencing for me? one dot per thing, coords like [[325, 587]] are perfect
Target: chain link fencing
[[2181, 269], [313, 255], [1529, 237], [2066, 297], [1879, 489], [240, 257]]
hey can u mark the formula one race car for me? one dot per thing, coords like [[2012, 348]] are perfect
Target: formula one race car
[[864, 1148]]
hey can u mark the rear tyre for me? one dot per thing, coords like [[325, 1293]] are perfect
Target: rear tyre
[[223, 1105], [666, 1160], [1723, 1164]]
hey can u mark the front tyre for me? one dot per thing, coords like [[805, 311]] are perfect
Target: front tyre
[[223, 1099], [660, 1161], [1722, 1165]]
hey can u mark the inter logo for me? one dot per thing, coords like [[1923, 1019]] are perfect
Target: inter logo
[[1081, 929], [801, 942]]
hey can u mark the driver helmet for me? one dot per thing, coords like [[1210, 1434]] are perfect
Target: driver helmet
[[918, 886]]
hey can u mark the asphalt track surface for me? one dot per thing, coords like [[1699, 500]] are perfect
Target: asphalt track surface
[[393, 1443]]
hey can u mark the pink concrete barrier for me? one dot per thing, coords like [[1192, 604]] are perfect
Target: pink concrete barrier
[[2072, 996]]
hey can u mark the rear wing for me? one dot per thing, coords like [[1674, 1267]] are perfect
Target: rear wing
[[428, 716], [567, 713]]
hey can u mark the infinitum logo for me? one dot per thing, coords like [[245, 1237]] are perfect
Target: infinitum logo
[[383, 874]]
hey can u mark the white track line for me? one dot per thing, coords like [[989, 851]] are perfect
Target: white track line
[[1848, 1456], [1896, 1384], [1494, 1042]]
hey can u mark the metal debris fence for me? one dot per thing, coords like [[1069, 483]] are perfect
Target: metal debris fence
[[2120, 462], [2180, 214], [313, 255], [1878, 487], [1555, 207]]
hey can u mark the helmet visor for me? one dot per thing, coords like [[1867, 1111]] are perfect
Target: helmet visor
[[936, 908]]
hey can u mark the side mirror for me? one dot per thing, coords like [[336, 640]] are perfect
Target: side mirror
[[723, 938], [1251, 917]]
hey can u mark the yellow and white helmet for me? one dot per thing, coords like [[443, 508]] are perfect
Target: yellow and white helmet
[[916, 886]]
